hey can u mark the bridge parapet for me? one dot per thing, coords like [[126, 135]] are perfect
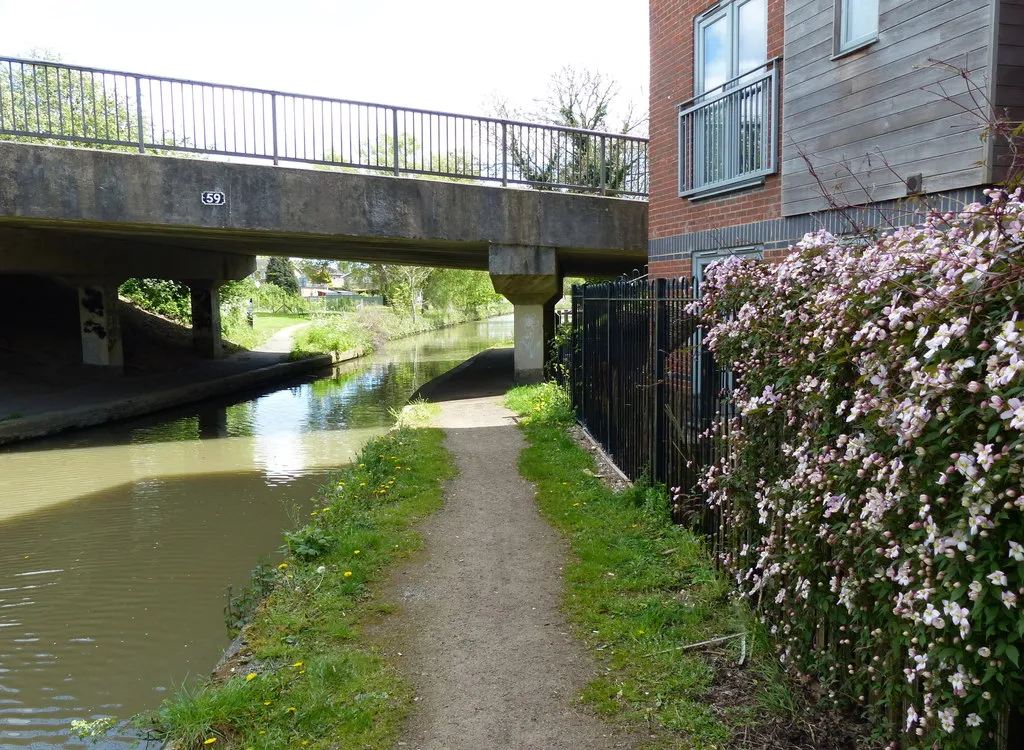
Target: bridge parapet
[[128, 111]]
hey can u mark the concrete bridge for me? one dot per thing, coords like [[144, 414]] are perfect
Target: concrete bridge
[[97, 217]]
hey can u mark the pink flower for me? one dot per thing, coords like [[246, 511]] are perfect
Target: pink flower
[[997, 577]]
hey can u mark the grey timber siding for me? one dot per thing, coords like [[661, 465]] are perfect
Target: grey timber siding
[[1008, 75], [868, 119]]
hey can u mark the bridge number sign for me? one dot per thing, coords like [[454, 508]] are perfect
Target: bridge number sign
[[213, 198]]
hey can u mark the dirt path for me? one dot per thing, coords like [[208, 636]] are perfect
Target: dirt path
[[281, 341], [478, 621]]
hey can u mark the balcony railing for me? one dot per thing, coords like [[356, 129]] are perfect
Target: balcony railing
[[728, 136], [44, 101]]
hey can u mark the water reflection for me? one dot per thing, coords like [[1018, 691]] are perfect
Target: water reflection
[[117, 544]]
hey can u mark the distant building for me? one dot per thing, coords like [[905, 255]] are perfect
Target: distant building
[[748, 97]]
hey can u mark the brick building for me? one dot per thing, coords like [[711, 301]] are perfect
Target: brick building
[[772, 118]]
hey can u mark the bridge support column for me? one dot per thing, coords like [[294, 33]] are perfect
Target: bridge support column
[[206, 336], [98, 323], [528, 277]]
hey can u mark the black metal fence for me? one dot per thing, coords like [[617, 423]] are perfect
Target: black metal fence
[[645, 386]]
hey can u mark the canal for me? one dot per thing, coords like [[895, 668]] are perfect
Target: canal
[[118, 543]]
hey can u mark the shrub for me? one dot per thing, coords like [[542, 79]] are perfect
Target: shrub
[[875, 472], [331, 333], [168, 298]]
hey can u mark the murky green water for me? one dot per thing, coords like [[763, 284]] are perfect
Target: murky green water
[[117, 544]]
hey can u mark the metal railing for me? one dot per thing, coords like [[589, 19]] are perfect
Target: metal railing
[[727, 136], [646, 388], [117, 110]]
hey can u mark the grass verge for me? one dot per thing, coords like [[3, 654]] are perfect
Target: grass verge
[[307, 681], [641, 592]]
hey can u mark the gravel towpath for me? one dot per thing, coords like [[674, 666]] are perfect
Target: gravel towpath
[[478, 622]]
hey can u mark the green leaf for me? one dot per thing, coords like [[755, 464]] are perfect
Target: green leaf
[[1013, 655], [993, 429]]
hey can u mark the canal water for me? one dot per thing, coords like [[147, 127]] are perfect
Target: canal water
[[118, 544]]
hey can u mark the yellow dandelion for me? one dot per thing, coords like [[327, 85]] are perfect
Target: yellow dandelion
[[250, 676], [290, 709], [355, 552], [348, 573], [313, 513], [297, 664], [282, 566], [361, 465], [210, 741], [266, 703]]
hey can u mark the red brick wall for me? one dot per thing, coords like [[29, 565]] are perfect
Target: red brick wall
[[671, 85]]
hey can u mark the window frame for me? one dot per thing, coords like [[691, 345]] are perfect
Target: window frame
[[728, 9], [840, 20]]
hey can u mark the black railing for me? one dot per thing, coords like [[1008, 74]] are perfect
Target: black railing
[[128, 111], [646, 388]]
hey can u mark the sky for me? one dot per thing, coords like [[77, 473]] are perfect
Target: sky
[[450, 55]]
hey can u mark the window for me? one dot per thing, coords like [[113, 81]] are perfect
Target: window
[[727, 132], [856, 24], [730, 41]]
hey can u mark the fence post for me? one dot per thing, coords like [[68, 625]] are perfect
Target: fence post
[[609, 408], [138, 113], [273, 125], [504, 154], [659, 454], [394, 138], [604, 179]]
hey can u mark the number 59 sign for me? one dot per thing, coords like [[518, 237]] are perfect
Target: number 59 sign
[[213, 198]]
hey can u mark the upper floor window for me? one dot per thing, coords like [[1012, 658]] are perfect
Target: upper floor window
[[856, 24], [731, 40], [727, 132]]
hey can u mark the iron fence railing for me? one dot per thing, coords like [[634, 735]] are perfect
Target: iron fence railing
[[727, 136], [646, 388], [649, 391], [118, 110]]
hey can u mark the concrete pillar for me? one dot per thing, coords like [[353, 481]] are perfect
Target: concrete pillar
[[99, 325], [213, 423], [528, 277], [206, 337]]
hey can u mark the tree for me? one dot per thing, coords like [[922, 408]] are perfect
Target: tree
[[460, 291], [585, 100], [400, 285], [49, 100], [317, 271], [281, 273]]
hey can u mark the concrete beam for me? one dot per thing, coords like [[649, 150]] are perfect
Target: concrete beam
[[317, 213], [99, 325], [528, 277], [50, 253]]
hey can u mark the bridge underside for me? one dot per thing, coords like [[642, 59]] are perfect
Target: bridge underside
[[99, 217]]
